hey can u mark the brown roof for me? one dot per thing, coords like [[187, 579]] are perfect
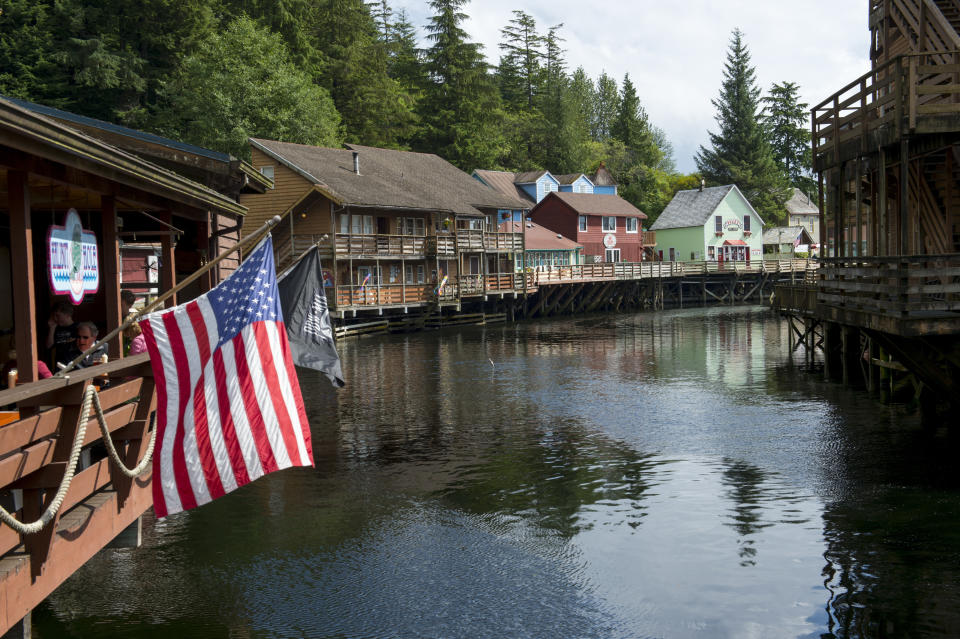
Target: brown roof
[[603, 177], [568, 178], [504, 181], [801, 204], [594, 204], [527, 177], [389, 178], [539, 238]]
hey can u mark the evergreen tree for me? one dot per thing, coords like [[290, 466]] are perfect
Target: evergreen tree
[[405, 60], [375, 109], [242, 83], [740, 153], [605, 105], [460, 110], [520, 63], [632, 127], [786, 120]]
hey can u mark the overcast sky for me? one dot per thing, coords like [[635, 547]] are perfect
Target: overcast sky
[[674, 50]]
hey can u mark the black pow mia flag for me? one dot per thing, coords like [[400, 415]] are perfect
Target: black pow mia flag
[[307, 318]]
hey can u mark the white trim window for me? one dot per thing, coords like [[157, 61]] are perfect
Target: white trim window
[[583, 223], [411, 226], [415, 274], [612, 255], [362, 225], [609, 224], [746, 223], [631, 225]]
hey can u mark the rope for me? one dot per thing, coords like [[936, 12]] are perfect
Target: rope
[[90, 396]]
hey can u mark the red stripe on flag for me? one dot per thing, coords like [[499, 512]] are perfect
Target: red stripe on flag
[[201, 426], [250, 403], [295, 388], [273, 382], [160, 383], [180, 474], [227, 424]]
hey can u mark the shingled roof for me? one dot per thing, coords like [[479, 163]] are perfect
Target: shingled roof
[[505, 182], [539, 238], [528, 177], [596, 204], [786, 234], [388, 178], [694, 207], [801, 204], [569, 178], [603, 177]]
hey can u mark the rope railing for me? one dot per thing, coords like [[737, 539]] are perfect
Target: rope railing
[[90, 399]]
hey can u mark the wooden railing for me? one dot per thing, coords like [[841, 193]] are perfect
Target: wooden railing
[[504, 242], [441, 244], [350, 244], [894, 98], [469, 240], [383, 295], [903, 287], [631, 270], [795, 298], [101, 502], [470, 284]]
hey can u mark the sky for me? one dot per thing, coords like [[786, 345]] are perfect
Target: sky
[[675, 50]]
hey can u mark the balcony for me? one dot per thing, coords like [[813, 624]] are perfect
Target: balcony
[[442, 244], [915, 94], [503, 242], [381, 245], [383, 295]]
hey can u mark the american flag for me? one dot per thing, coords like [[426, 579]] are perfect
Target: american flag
[[229, 408]]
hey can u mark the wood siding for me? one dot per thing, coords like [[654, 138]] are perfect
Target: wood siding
[[560, 218], [288, 187]]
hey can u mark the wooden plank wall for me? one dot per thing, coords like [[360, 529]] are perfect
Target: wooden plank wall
[[288, 188]]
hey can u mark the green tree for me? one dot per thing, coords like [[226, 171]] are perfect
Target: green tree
[[740, 153], [520, 70], [632, 126], [460, 110], [786, 120], [405, 60], [606, 102], [242, 83], [375, 109]]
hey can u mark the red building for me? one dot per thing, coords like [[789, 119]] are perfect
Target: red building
[[608, 227]]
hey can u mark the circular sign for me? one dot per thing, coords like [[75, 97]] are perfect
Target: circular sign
[[609, 240]]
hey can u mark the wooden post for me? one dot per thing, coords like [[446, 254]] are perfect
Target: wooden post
[[111, 272], [24, 295], [882, 247], [207, 280], [858, 189], [168, 271], [903, 242]]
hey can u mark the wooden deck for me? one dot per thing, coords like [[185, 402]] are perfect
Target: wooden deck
[[101, 502]]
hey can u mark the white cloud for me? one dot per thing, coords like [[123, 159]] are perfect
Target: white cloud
[[675, 51]]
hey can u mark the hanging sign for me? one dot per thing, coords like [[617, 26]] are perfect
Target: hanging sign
[[609, 240], [73, 263]]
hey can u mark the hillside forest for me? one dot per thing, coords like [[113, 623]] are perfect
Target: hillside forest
[[326, 72]]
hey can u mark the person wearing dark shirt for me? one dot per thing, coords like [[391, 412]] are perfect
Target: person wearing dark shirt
[[62, 336], [86, 336]]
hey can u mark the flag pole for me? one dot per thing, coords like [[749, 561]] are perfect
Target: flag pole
[[132, 317]]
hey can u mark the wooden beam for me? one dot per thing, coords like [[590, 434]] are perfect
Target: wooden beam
[[111, 273], [168, 271], [24, 292]]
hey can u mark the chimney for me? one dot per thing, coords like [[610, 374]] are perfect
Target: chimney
[[356, 162], [702, 181]]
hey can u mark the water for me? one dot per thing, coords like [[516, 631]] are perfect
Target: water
[[667, 474]]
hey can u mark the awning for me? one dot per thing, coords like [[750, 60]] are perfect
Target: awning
[[734, 243]]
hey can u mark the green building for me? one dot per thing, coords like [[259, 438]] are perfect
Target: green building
[[715, 224]]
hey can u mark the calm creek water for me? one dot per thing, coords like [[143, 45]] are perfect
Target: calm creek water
[[668, 474]]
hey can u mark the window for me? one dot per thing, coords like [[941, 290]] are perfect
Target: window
[[710, 254], [415, 274], [746, 223], [613, 255], [344, 223], [631, 225], [609, 224], [267, 171], [583, 222], [673, 255], [364, 271], [411, 226], [362, 225], [719, 224]]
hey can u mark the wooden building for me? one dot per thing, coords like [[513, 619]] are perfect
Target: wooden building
[[886, 148], [543, 248], [67, 199], [396, 229], [608, 227]]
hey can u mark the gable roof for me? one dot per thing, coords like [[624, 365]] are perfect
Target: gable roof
[[694, 207], [388, 178], [785, 234], [505, 182], [595, 204], [603, 177], [801, 204], [570, 178], [529, 177], [539, 238]]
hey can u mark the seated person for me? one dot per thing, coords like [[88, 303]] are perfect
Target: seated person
[[62, 334], [86, 336], [11, 364]]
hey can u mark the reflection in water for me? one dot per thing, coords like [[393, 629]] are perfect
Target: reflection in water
[[667, 474]]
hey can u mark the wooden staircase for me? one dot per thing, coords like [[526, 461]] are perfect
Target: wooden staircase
[[913, 26]]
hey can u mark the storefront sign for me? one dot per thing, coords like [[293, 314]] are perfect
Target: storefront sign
[[733, 224], [609, 240], [73, 263]]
